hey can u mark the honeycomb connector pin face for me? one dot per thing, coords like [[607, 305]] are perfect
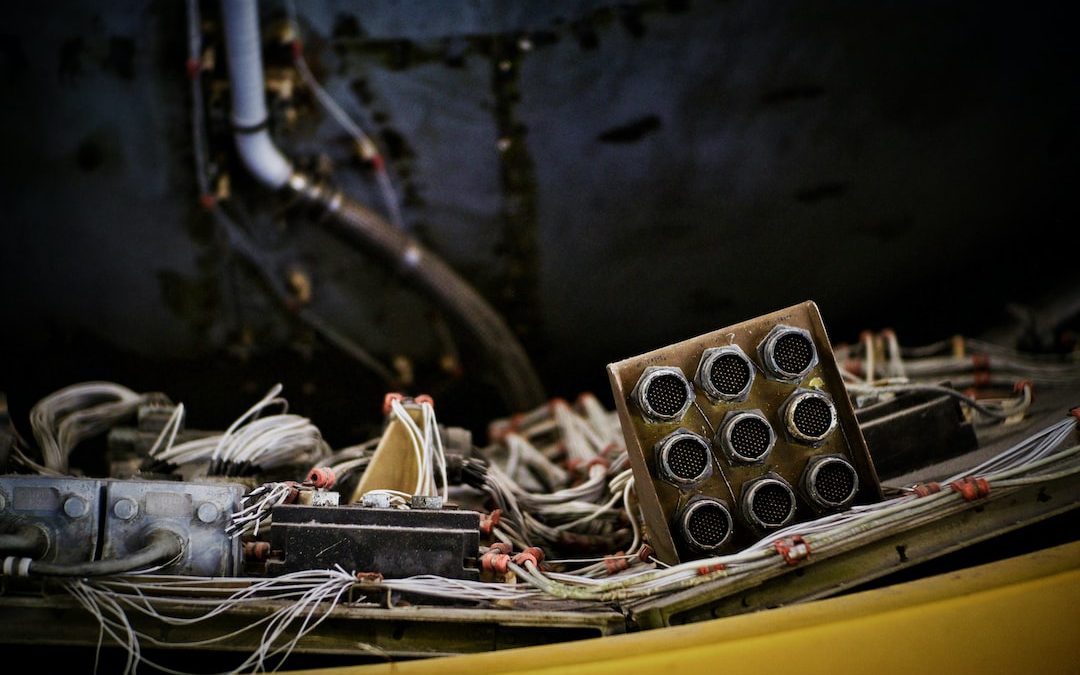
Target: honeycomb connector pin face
[[725, 374], [663, 394], [768, 502], [788, 354], [706, 524], [746, 437], [683, 458], [809, 416], [830, 481]]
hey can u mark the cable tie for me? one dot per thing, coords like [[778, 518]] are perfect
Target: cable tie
[[971, 488], [926, 489], [709, 569], [616, 563], [493, 561], [489, 521], [388, 401], [792, 549]]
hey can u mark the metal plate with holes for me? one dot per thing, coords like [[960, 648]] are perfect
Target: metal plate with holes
[[790, 382], [197, 512], [67, 509]]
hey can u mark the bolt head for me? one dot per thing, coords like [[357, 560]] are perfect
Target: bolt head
[[208, 512], [125, 509], [75, 507]]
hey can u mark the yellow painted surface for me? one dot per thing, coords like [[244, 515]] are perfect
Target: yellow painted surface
[[1020, 615]]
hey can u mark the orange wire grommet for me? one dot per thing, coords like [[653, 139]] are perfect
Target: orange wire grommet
[[207, 201], [709, 569], [322, 477], [388, 401], [489, 521], [645, 553], [1075, 412], [424, 398], [980, 362], [501, 547], [982, 378], [927, 489], [971, 488]]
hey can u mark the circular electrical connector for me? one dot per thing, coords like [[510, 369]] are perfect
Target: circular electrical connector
[[788, 354], [830, 481], [746, 436], [706, 524], [809, 416], [768, 502], [725, 373], [663, 393], [683, 458]]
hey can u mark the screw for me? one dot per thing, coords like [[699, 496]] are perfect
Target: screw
[[207, 512], [125, 509], [75, 507]]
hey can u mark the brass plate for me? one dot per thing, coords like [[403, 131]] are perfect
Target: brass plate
[[661, 501]]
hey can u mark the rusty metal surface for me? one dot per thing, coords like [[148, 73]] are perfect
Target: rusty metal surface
[[662, 501]]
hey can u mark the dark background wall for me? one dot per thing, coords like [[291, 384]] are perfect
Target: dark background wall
[[665, 168]]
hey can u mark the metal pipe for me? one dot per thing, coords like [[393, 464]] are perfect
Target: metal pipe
[[516, 378], [247, 85]]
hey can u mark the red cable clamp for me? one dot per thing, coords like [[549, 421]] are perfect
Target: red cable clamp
[[926, 489], [489, 521], [1075, 412], [709, 569], [971, 488], [501, 547], [982, 379], [980, 362], [322, 477], [297, 49], [792, 549], [555, 403], [645, 553], [424, 398], [616, 563], [532, 554], [207, 201]]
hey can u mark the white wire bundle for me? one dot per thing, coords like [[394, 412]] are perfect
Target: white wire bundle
[[587, 437], [63, 419], [256, 506], [252, 440], [427, 449], [311, 597], [955, 360], [1036, 459]]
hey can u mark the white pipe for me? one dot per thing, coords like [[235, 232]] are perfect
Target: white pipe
[[244, 52]]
